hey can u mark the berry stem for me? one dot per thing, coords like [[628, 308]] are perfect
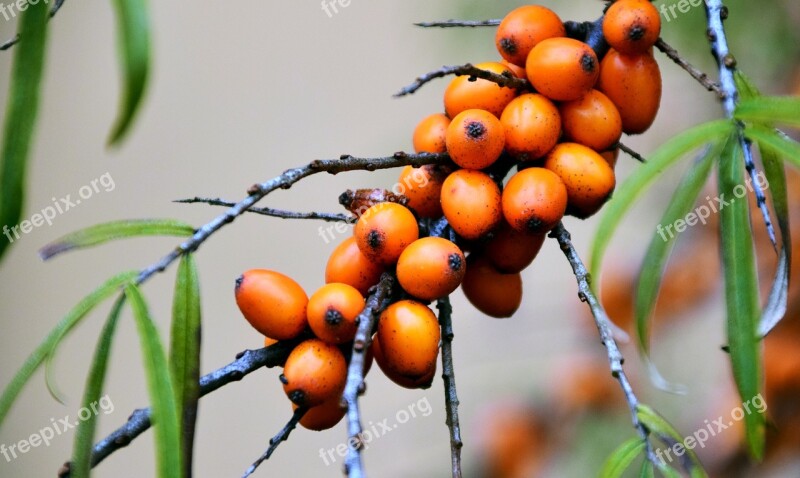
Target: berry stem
[[464, 70], [449, 378], [282, 436]]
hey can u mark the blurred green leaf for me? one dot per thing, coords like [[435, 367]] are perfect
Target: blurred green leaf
[[81, 464], [159, 385], [626, 195], [770, 109], [621, 459], [185, 353], [778, 143], [48, 345], [21, 112], [647, 470], [665, 432], [110, 231], [133, 42], [741, 290]]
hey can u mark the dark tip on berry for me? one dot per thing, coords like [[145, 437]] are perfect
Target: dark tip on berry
[[239, 281], [534, 224], [475, 130], [374, 239], [283, 379], [588, 62], [455, 262], [636, 33], [333, 317], [298, 397], [508, 45]]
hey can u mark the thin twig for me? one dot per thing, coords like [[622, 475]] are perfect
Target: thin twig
[[15, 39], [282, 436], [694, 72], [615, 358], [630, 152], [268, 211], [449, 378], [378, 300], [716, 13], [508, 81], [459, 23], [246, 362]]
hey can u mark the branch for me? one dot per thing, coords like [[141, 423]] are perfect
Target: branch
[[268, 211], [246, 362], [449, 378], [378, 299], [633, 154], [282, 436], [615, 358], [508, 81], [15, 39], [716, 13], [459, 23], [695, 73]]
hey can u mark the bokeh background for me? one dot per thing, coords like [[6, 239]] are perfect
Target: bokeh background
[[241, 91]]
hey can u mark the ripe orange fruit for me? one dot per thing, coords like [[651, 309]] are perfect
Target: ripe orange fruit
[[588, 177], [315, 372], [475, 139], [534, 200], [268, 341], [593, 121], [384, 231], [518, 71], [431, 268], [324, 416], [523, 28], [429, 134], [491, 292], [272, 302], [423, 188], [631, 26], [562, 69], [532, 125], [462, 94], [611, 156], [332, 312], [348, 265], [633, 83], [471, 203], [422, 382], [512, 251], [409, 338]]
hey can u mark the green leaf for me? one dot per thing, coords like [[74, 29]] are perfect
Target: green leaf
[[660, 248], [778, 143], [770, 109], [81, 465], [133, 44], [665, 432], [626, 195], [48, 345], [647, 470], [747, 89], [21, 112], [741, 290], [109, 231], [159, 385], [621, 458], [185, 353]]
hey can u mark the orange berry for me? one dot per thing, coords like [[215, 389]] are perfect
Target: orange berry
[[423, 188], [273, 303], [422, 382], [324, 416], [471, 203], [409, 338], [633, 83], [314, 373], [332, 312], [491, 292], [384, 231], [348, 265], [431, 268], [611, 156], [429, 134], [462, 94], [518, 71], [532, 125], [268, 341], [588, 177], [512, 251], [562, 69], [523, 28], [475, 139], [593, 121], [534, 200], [632, 26]]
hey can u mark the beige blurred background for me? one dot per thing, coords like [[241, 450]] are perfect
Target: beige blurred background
[[241, 91]]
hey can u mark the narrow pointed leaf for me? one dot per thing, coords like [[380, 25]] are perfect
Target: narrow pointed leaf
[[622, 458], [770, 110], [47, 346], [647, 470], [20, 119], [159, 386], [779, 144], [634, 186], [81, 464], [665, 432], [185, 353], [133, 44], [741, 291], [110, 231]]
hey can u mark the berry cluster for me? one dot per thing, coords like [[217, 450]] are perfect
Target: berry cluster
[[560, 133]]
